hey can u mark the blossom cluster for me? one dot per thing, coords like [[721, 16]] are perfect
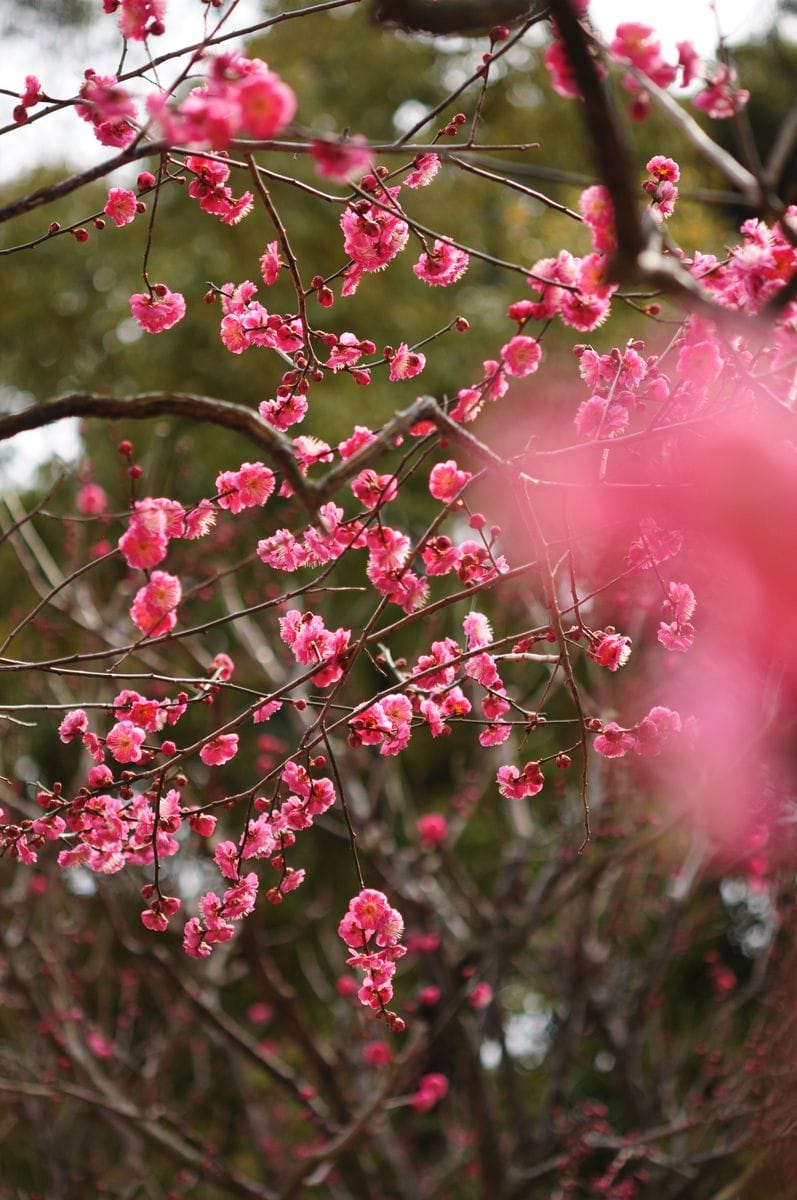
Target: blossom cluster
[[372, 930], [637, 46], [268, 836]]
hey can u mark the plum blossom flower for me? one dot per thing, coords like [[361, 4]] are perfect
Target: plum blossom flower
[[271, 264], [432, 829], [124, 742], [153, 523], [688, 61], [195, 943], [654, 730], [91, 499], [676, 635], [446, 479], [159, 310], [209, 187], [73, 725], [372, 489], [140, 19], [431, 1090], [360, 436], [425, 168], [610, 649], [29, 98], [563, 81], [661, 188], [598, 213], [150, 715], [121, 206], [240, 95], [478, 630], [249, 486], [442, 266], [154, 608], [156, 917], [655, 545], [200, 520], [721, 98], [312, 643], [405, 363], [600, 417], [219, 749], [613, 741], [516, 784], [521, 355]]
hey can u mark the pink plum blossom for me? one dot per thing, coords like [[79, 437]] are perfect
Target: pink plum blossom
[[159, 310], [124, 742], [219, 749], [121, 206]]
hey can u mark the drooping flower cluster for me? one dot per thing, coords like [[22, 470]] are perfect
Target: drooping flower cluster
[[154, 608], [209, 187], [372, 930], [153, 523], [268, 836], [676, 631], [374, 232], [664, 174]]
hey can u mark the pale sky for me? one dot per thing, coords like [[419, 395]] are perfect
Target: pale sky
[[678, 20]]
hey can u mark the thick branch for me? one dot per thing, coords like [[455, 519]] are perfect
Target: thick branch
[[143, 406], [56, 191], [455, 16], [609, 146]]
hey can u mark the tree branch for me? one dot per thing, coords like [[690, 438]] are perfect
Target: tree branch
[[187, 406]]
